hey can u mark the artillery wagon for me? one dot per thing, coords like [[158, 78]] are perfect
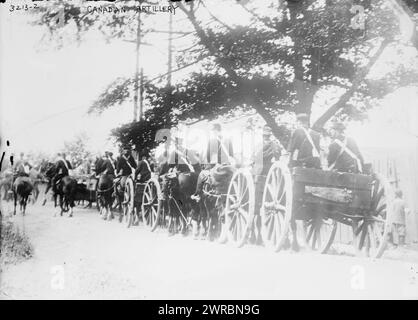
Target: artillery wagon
[[320, 199]]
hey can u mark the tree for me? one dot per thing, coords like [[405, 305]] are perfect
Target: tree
[[278, 62], [275, 64], [77, 149]]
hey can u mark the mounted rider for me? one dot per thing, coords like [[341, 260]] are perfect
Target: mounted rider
[[304, 145], [109, 166], [62, 169], [218, 167], [344, 154], [219, 152], [125, 167], [22, 167]]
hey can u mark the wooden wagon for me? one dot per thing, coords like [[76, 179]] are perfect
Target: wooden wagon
[[319, 198]]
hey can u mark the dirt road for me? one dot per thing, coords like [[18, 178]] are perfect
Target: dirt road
[[85, 257]]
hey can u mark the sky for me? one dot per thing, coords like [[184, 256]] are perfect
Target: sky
[[45, 93]]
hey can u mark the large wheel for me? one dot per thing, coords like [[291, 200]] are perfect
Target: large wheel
[[320, 233], [371, 231], [128, 202], [151, 204], [276, 209], [239, 209]]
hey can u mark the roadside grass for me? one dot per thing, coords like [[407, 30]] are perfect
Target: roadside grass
[[14, 244]]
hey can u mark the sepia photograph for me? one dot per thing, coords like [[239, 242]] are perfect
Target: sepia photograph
[[208, 154]]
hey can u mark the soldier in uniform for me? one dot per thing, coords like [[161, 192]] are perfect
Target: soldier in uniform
[[344, 154], [125, 166], [108, 166], [22, 167], [304, 145], [143, 171], [63, 167], [263, 159]]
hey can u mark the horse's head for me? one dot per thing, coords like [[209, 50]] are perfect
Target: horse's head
[[49, 170], [98, 164]]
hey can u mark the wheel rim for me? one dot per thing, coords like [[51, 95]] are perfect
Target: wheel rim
[[276, 206], [150, 204], [370, 233], [239, 207], [128, 202], [320, 233]]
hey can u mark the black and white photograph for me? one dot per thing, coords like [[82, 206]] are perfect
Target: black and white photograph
[[208, 150]]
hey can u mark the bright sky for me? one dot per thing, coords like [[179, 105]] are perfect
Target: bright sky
[[45, 94]]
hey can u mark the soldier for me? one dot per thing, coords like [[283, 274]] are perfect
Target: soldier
[[219, 149], [344, 154], [399, 219], [304, 145], [126, 165], [22, 167], [63, 167], [143, 171], [270, 151], [108, 166]]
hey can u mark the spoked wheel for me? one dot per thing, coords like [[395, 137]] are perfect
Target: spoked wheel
[[276, 210], [239, 209], [151, 204], [320, 233], [371, 231], [128, 202]]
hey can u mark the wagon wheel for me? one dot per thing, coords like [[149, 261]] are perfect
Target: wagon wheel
[[151, 204], [276, 210], [128, 202], [239, 209], [320, 233], [371, 231]]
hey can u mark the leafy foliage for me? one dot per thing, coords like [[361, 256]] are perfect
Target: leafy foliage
[[77, 149]]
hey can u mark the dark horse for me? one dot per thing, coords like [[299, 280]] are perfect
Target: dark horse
[[105, 188], [66, 189], [48, 170], [177, 191], [22, 189]]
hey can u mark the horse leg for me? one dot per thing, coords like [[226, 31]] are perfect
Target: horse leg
[[15, 202], [295, 244], [61, 200], [25, 202]]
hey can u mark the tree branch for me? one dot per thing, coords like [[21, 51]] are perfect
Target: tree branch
[[328, 114]]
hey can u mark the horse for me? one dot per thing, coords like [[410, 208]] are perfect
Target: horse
[[211, 200], [37, 177], [48, 170], [22, 189], [178, 189], [105, 189], [66, 189]]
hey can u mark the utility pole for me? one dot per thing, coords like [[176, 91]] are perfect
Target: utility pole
[[137, 53], [170, 49], [141, 95]]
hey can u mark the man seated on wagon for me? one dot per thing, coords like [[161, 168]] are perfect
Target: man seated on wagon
[[344, 154], [304, 145]]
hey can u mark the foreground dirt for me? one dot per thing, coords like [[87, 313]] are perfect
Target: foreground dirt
[[85, 257]]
